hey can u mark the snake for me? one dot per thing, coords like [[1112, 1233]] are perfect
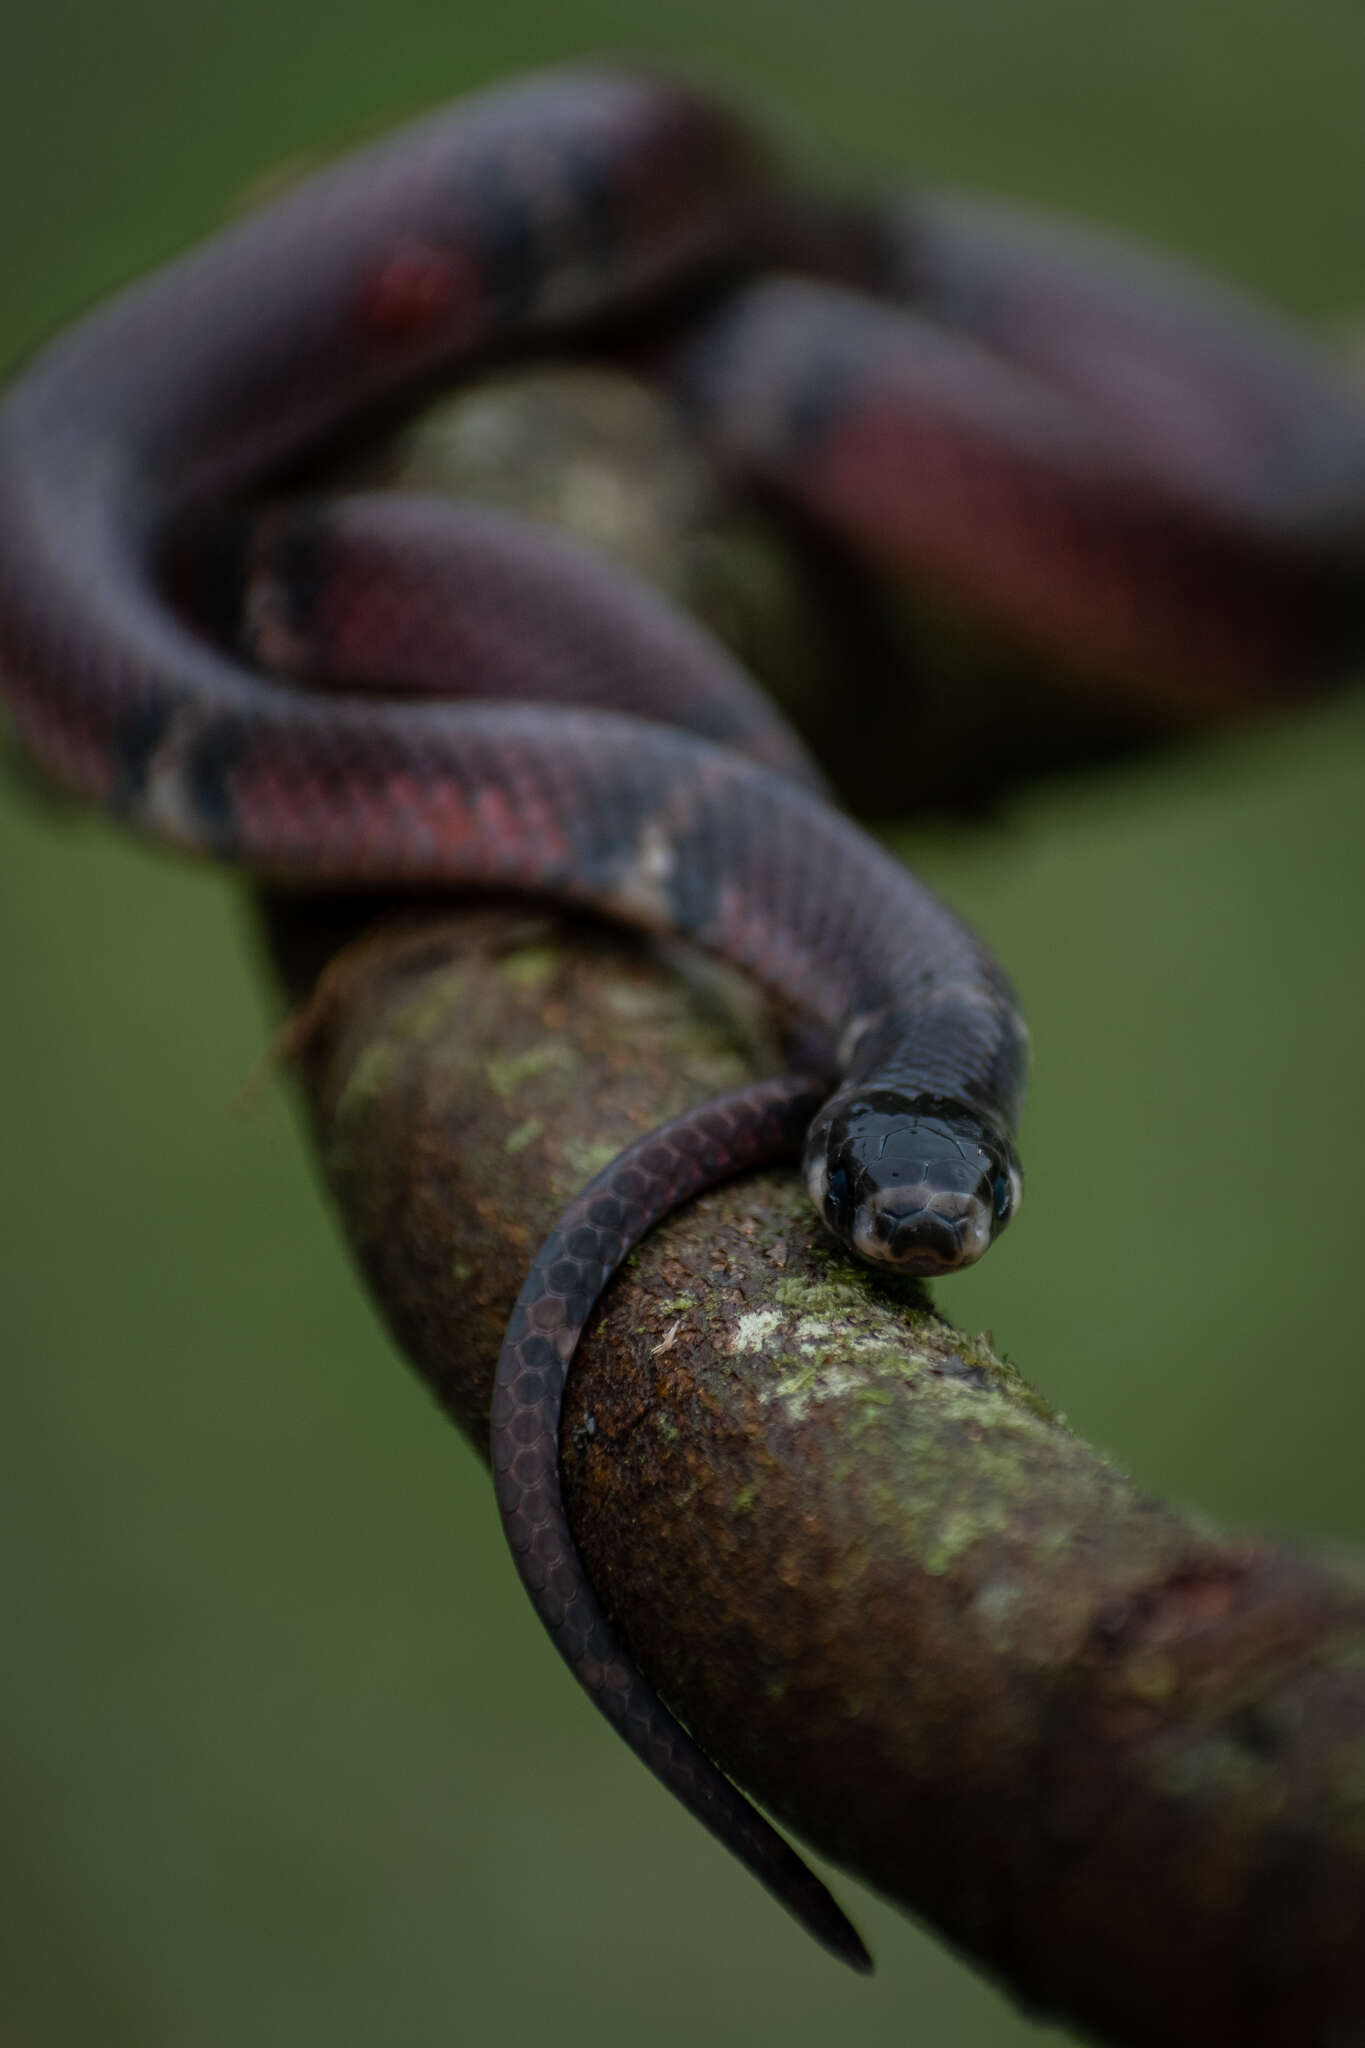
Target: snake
[[1121, 464]]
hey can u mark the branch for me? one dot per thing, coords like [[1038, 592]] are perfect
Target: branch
[[1115, 1756]]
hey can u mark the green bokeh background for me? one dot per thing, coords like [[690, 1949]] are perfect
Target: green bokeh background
[[285, 1758]]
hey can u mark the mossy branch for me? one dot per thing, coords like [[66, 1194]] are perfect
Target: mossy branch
[[1115, 1756]]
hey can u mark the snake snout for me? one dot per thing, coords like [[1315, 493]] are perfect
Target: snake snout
[[924, 1231]]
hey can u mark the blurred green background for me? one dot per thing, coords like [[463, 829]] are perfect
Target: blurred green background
[[285, 1758]]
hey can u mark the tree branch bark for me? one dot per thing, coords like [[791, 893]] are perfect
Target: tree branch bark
[[1115, 1756]]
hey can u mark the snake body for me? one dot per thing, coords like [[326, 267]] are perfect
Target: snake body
[[939, 413]]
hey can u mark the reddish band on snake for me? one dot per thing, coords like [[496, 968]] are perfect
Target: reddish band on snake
[[1123, 466]]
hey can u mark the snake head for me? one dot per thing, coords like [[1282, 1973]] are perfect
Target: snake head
[[916, 1182]]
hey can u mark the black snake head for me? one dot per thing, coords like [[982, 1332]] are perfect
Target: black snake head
[[914, 1182]]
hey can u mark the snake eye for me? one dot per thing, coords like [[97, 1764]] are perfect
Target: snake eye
[[837, 1196], [1002, 1196]]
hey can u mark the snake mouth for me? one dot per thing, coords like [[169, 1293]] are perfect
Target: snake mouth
[[925, 1233]]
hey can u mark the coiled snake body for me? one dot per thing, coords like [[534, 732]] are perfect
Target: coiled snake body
[[1188, 522]]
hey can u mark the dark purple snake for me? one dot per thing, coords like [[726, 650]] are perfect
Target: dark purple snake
[[1122, 465]]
